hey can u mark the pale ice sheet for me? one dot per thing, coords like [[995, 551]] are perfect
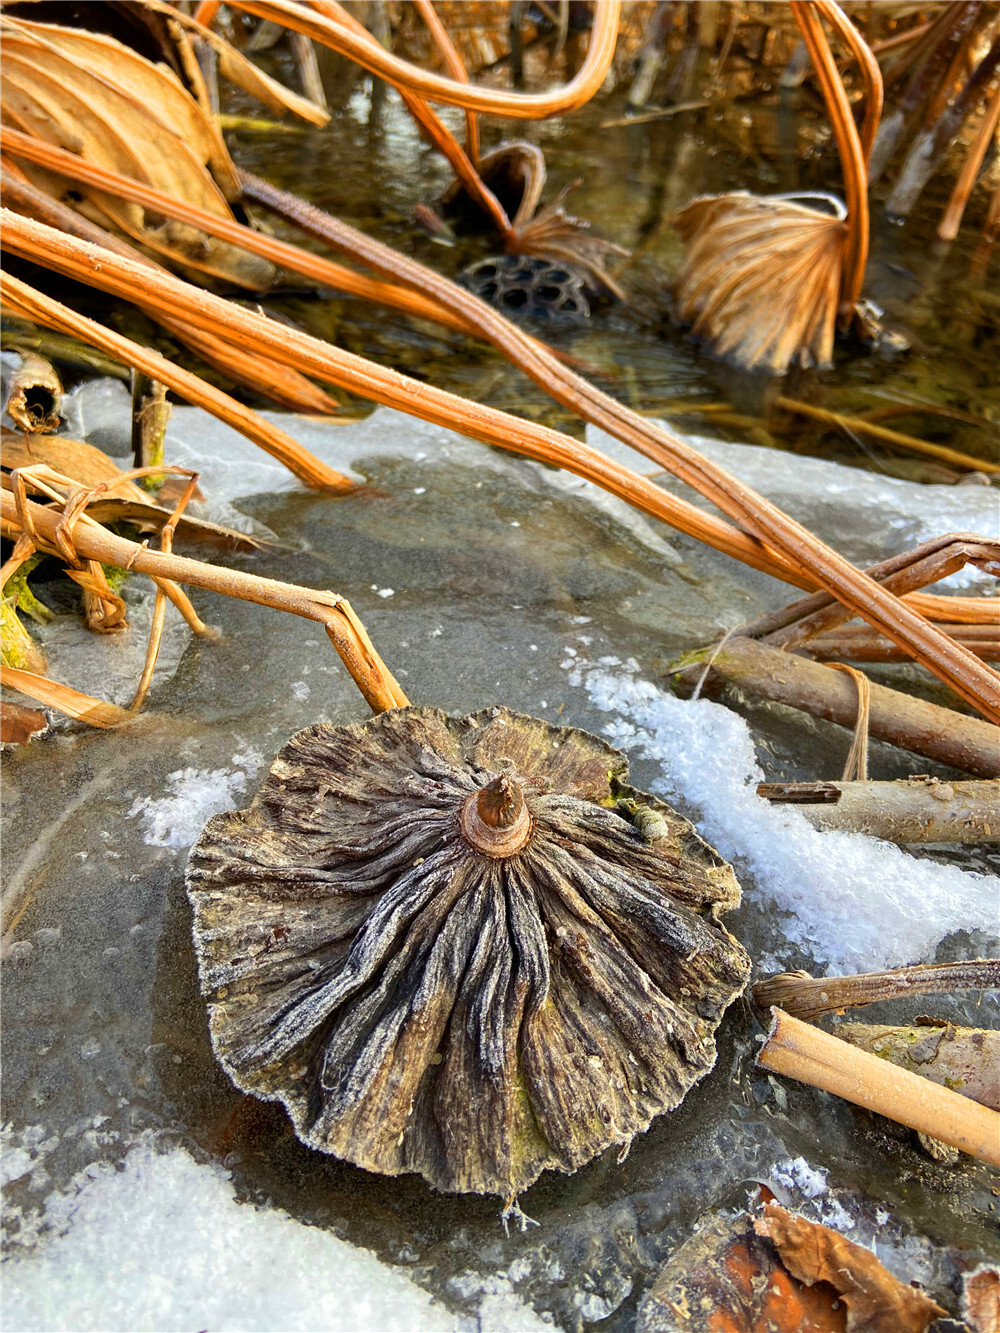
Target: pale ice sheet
[[864, 515], [855, 904], [162, 1244]]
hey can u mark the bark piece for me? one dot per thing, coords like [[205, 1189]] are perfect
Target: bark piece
[[967, 1060], [443, 946], [914, 809], [876, 1301]]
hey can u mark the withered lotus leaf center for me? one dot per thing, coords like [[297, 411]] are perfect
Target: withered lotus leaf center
[[495, 819], [462, 947]]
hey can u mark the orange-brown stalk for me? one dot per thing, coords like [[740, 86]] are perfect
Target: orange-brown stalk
[[787, 543], [401, 74], [44, 310], [455, 66]]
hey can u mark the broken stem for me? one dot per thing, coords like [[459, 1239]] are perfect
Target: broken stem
[[806, 1053], [93, 541], [810, 998]]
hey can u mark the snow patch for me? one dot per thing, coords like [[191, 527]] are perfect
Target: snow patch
[[851, 899], [162, 1244], [193, 796]]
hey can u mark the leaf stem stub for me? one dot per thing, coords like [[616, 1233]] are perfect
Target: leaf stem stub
[[495, 819]]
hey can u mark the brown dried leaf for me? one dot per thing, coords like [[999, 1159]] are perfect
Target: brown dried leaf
[[761, 279], [82, 462], [20, 724], [981, 1300], [876, 1301], [123, 501], [96, 97], [727, 1279]]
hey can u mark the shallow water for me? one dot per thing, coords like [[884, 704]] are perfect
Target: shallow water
[[481, 579]]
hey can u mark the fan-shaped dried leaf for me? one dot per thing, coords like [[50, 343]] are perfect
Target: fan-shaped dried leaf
[[99, 99], [421, 1004], [761, 279]]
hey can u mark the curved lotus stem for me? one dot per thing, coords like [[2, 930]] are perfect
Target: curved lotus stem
[[464, 165], [853, 154], [456, 68], [401, 74], [870, 72]]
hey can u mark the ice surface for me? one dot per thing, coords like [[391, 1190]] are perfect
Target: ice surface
[[106, 1022], [162, 1244], [854, 903], [862, 514]]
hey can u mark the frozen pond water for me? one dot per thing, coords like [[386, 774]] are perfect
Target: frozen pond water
[[482, 579]]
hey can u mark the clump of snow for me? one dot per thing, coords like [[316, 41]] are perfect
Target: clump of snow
[[796, 1173], [797, 1176], [193, 796], [500, 1310], [162, 1244], [855, 903]]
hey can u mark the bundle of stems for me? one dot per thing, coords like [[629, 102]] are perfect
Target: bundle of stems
[[786, 545], [419, 290], [65, 529]]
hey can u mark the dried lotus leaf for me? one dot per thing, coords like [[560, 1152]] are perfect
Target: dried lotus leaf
[[420, 1004], [51, 91]]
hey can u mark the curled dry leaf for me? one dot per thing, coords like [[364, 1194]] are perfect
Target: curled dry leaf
[[761, 279], [442, 945], [876, 1301], [123, 501], [19, 724], [727, 1279], [96, 97], [981, 1299], [35, 395]]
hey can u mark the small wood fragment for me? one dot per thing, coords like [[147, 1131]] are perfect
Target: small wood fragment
[[35, 395], [909, 810]]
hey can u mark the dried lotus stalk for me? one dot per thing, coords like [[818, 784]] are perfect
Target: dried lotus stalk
[[447, 949]]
